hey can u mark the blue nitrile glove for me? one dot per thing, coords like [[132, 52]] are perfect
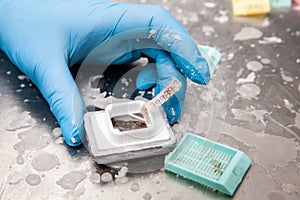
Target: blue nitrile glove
[[44, 37]]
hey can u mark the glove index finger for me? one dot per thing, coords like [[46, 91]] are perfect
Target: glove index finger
[[146, 23]]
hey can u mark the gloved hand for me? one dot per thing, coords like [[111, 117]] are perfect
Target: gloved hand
[[45, 37]]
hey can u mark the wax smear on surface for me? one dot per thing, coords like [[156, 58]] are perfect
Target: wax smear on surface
[[270, 40], [24, 120], [285, 77], [249, 91], [259, 115], [290, 106], [282, 152], [32, 140], [70, 180], [14, 178], [248, 115], [94, 178], [275, 196], [249, 79], [288, 177], [248, 33]]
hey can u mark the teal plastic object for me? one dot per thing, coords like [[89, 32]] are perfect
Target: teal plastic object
[[281, 3], [212, 56], [209, 163]]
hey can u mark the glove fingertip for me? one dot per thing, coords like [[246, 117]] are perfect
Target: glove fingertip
[[75, 139], [69, 113], [173, 113]]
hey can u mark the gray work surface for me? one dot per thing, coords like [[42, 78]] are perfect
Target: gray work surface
[[262, 116]]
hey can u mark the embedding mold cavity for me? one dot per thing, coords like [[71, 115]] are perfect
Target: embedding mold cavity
[[121, 132]]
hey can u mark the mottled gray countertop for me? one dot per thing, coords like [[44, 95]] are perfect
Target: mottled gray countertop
[[256, 87]]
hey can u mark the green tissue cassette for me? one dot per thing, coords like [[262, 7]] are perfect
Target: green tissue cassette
[[209, 163]]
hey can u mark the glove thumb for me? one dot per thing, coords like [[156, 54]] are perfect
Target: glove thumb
[[58, 87]]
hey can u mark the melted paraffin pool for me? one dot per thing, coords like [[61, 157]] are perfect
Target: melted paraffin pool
[[129, 122], [32, 140], [44, 162]]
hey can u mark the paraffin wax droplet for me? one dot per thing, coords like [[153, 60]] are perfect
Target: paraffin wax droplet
[[95, 178], [22, 77], [135, 187], [147, 196], [59, 140], [265, 61], [44, 162], [70, 180], [106, 177], [56, 132], [122, 172], [20, 160], [33, 179], [254, 66]]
